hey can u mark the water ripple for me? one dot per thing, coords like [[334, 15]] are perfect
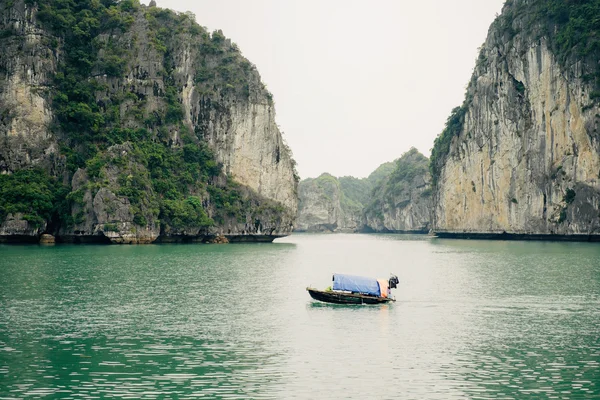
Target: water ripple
[[482, 320]]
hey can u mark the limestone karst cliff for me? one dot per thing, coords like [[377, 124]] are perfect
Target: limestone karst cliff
[[131, 124], [522, 154], [394, 198]]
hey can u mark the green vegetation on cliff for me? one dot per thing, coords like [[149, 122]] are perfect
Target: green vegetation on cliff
[[359, 190], [330, 203], [348, 203], [167, 171], [355, 189], [327, 184], [572, 29], [31, 192], [355, 193], [399, 183], [408, 167], [441, 144], [86, 124]]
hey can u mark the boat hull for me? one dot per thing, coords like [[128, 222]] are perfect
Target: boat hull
[[346, 298]]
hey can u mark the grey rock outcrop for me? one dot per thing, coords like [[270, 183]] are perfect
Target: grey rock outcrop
[[325, 208], [15, 228]]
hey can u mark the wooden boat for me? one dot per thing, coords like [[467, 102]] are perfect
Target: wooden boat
[[337, 297], [349, 289]]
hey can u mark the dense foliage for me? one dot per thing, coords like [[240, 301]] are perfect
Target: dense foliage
[[572, 28], [183, 213], [382, 172], [31, 192], [358, 190], [355, 189], [411, 165], [86, 125]]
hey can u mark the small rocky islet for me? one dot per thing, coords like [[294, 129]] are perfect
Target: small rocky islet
[[140, 126]]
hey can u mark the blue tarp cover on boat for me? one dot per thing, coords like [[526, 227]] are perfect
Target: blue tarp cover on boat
[[358, 284]]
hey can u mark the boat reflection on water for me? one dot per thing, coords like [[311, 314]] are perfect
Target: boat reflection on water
[[351, 289]]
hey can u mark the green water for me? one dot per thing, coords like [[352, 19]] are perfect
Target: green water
[[474, 319]]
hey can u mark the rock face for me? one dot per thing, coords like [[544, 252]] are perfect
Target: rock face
[[161, 131], [402, 202], [102, 215], [47, 239], [325, 208], [247, 141], [521, 156], [15, 229], [27, 65]]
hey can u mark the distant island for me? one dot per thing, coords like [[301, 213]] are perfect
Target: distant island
[[396, 197]]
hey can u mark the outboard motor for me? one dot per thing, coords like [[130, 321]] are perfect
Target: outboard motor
[[393, 282]]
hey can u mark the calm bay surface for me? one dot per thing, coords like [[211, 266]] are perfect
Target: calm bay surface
[[474, 319]]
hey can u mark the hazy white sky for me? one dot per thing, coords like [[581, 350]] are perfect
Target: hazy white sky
[[356, 83]]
